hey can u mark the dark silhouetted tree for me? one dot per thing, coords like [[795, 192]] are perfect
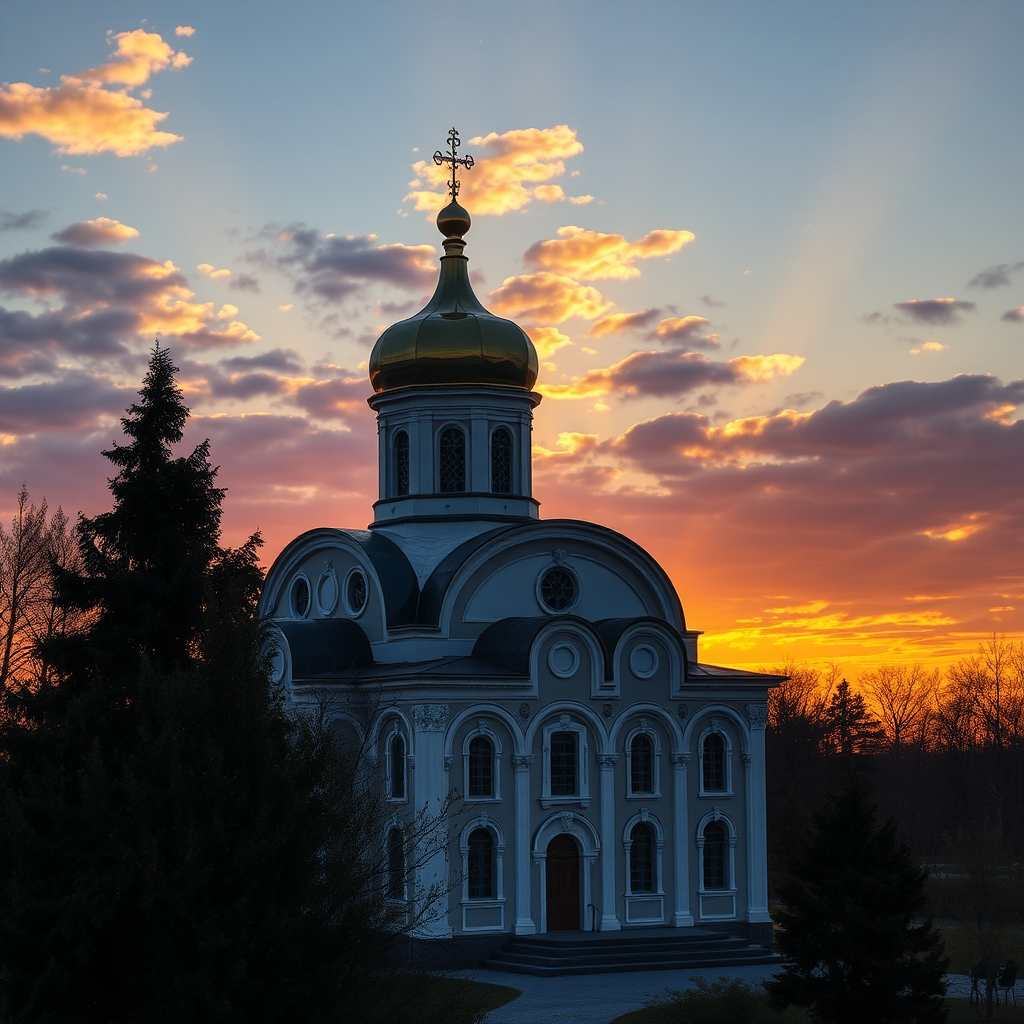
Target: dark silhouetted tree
[[851, 894], [175, 846]]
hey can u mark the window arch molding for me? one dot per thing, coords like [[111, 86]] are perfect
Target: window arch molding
[[716, 815], [401, 462], [496, 717], [445, 475], [488, 824], [644, 817], [566, 724], [483, 730], [715, 728], [643, 728], [396, 762]]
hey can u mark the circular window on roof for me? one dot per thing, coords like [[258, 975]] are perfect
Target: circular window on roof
[[327, 592], [558, 589], [300, 597], [355, 592]]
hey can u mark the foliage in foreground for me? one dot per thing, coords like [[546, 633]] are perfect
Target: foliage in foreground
[[725, 1001], [851, 894], [174, 846]]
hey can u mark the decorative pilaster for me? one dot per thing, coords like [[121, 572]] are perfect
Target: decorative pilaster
[[521, 765], [681, 918], [757, 818], [609, 918], [430, 791]]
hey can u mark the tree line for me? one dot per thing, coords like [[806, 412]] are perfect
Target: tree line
[[944, 749]]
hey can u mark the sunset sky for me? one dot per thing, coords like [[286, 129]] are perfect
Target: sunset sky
[[771, 254]]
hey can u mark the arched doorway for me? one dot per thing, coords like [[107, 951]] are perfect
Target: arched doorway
[[563, 884]]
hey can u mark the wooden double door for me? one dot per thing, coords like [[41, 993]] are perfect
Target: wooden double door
[[562, 878]]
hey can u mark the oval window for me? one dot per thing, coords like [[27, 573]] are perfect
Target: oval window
[[355, 592], [300, 597], [558, 590], [327, 592]]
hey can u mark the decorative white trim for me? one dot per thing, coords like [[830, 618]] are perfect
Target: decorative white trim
[[483, 728], [715, 728], [643, 728], [389, 786], [562, 565], [566, 723], [310, 596], [329, 576], [583, 831], [484, 821], [644, 817], [716, 814], [349, 607], [643, 661], [563, 660]]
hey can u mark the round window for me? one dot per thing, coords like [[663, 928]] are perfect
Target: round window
[[355, 592], [563, 660], [558, 590], [300, 597], [643, 661]]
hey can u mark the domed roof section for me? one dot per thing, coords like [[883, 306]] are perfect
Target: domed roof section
[[453, 339]]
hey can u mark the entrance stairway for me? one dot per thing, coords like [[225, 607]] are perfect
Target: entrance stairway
[[648, 949]]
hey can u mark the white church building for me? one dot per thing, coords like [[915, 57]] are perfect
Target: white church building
[[540, 670]]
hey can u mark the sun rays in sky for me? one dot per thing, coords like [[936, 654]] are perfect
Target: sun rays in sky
[[770, 256]]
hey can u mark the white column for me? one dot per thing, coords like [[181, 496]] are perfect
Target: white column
[[521, 764], [478, 465], [681, 918], [430, 792], [609, 918], [757, 816]]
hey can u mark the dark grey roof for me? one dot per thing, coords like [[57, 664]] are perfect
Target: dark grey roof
[[397, 576], [325, 646], [610, 631]]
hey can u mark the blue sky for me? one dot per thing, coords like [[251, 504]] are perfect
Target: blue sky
[[841, 167]]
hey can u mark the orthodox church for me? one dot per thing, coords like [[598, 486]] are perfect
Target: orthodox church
[[539, 671]]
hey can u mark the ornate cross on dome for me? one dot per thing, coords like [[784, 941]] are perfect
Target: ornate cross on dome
[[453, 161]]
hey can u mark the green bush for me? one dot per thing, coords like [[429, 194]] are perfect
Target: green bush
[[726, 1001]]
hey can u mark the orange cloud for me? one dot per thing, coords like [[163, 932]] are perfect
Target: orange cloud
[[591, 255], [184, 30], [547, 340], [547, 298], [101, 231], [687, 330], [211, 273], [80, 116], [510, 170], [664, 374], [621, 323]]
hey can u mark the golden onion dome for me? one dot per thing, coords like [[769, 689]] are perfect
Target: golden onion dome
[[453, 339]]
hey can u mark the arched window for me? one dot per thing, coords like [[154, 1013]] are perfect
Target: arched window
[[641, 764], [641, 858], [481, 768], [563, 764], [715, 854], [501, 461], [452, 460], [714, 763], [480, 865], [401, 450], [396, 767], [396, 865]]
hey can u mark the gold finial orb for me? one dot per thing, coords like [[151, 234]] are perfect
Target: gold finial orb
[[453, 221]]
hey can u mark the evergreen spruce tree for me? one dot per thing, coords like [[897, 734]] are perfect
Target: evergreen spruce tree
[[174, 846], [851, 894]]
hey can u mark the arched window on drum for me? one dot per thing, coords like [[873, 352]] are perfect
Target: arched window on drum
[[501, 461], [452, 460]]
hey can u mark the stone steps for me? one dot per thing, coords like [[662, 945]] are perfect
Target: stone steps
[[563, 953]]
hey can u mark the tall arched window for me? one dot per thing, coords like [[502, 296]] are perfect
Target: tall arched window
[[501, 461], [396, 865], [714, 763], [641, 858], [396, 767], [641, 764], [563, 764], [715, 852], [401, 450], [452, 460], [481, 768], [480, 865]]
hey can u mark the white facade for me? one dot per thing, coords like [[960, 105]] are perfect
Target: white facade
[[539, 669]]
